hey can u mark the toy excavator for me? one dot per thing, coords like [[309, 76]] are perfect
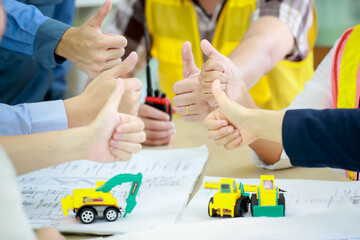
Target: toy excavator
[[90, 203]]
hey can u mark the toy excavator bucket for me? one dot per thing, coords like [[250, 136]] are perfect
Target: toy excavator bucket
[[66, 204]]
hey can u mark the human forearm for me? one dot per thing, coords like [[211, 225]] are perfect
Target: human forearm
[[32, 152], [79, 112], [267, 41], [268, 151], [266, 124]]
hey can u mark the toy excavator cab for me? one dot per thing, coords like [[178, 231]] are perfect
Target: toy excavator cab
[[90, 203]]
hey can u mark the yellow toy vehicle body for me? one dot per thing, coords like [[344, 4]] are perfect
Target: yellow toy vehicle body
[[90, 203], [267, 201], [87, 203], [230, 200]]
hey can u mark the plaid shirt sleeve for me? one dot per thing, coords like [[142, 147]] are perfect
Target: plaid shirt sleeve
[[128, 22], [298, 14]]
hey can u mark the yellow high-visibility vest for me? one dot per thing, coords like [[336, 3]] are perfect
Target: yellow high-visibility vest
[[345, 75], [172, 22]]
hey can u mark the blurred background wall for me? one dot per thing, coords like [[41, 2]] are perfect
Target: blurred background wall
[[334, 17]]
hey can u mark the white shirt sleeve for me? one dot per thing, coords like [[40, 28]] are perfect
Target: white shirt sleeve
[[316, 95], [13, 221]]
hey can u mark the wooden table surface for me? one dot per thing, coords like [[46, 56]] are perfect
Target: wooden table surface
[[232, 164]]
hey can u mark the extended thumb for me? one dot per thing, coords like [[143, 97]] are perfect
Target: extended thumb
[[97, 19], [219, 95], [189, 65], [124, 67], [115, 97], [210, 51]]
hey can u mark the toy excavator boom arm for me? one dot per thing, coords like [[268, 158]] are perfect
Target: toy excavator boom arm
[[120, 179]]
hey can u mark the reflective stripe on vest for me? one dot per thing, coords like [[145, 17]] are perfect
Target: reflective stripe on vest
[[345, 75], [172, 22]]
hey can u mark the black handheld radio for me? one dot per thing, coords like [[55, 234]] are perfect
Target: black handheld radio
[[156, 100]]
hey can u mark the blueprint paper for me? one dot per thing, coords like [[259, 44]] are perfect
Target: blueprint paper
[[302, 197], [168, 178]]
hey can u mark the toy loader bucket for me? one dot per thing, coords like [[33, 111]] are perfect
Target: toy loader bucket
[[67, 203]]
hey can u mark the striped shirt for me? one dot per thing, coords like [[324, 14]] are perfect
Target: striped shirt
[[297, 14]]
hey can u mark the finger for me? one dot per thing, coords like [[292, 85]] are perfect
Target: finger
[[124, 67], [115, 41], [185, 99], [189, 65], [219, 94], [185, 86], [193, 109], [158, 142], [210, 51], [156, 125], [132, 124], [126, 146], [115, 53], [213, 65], [97, 19], [110, 64], [233, 143], [122, 155], [226, 139], [136, 137], [214, 124], [151, 134], [221, 132], [148, 112], [207, 78]]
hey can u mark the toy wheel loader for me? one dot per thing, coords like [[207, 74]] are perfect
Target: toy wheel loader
[[230, 200], [267, 202]]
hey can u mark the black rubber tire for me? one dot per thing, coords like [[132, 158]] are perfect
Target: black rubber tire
[[282, 200], [214, 214], [254, 202], [245, 204], [87, 215], [111, 214], [237, 209]]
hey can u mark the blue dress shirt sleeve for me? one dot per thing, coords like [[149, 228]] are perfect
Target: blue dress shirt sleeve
[[29, 32], [323, 138], [32, 118]]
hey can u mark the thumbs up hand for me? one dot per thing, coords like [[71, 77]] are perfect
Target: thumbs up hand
[[232, 125], [222, 68], [88, 48], [188, 99]]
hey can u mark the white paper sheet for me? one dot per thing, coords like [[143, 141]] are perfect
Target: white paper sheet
[[302, 197], [168, 178], [339, 224], [314, 210]]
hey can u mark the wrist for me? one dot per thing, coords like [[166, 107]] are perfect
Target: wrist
[[64, 47], [77, 112], [80, 141], [270, 126]]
